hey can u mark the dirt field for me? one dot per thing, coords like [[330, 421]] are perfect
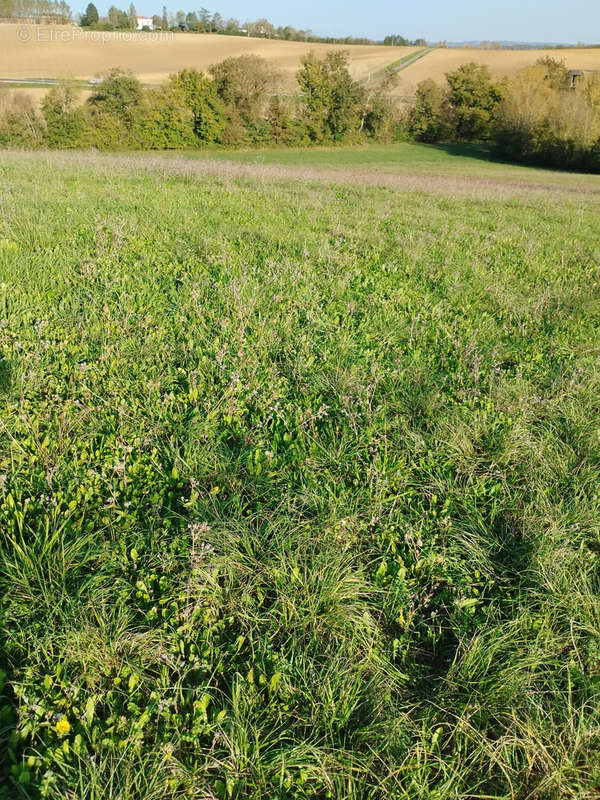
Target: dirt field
[[52, 52], [501, 62]]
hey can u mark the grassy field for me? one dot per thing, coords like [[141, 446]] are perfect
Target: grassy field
[[474, 163], [299, 480]]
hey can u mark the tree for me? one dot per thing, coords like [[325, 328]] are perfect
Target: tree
[[165, 122], [132, 17], [429, 118], [201, 98], [91, 17], [192, 22], [556, 73], [540, 121], [333, 101], [244, 84], [65, 122], [284, 127], [20, 122], [473, 98], [115, 108], [396, 40], [205, 23], [165, 21], [118, 19]]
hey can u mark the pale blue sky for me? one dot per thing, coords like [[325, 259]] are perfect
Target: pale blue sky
[[567, 21]]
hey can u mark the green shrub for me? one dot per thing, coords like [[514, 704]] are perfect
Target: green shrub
[[429, 118], [333, 102], [165, 121], [473, 99], [66, 124], [207, 108], [114, 110]]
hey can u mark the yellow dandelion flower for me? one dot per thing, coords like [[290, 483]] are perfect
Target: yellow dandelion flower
[[62, 726]]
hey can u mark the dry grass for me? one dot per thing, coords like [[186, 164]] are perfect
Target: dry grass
[[87, 54], [501, 62]]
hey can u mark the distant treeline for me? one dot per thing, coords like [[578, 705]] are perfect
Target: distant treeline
[[544, 115], [205, 21], [42, 10], [239, 104]]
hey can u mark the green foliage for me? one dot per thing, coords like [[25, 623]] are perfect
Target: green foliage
[[298, 486], [114, 110], [333, 101], [244, 85], [555, 72], [240, 105], [90, 18], [284, 126], [65, 122], [165, 121], [473, 98], [207, 108], [428, 119]]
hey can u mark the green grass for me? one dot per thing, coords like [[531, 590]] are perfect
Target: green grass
[[299, 489], [454, 160]]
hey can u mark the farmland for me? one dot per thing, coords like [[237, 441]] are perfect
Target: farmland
[[34, 52], [299, 474], [41, 52], [501, 63]]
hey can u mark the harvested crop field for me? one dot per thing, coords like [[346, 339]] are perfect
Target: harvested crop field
[[65, 51], [438, 62]]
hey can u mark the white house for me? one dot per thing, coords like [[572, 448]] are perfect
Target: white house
[[144, 22]]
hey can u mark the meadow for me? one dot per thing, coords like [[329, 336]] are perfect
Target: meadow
[[299, 478]]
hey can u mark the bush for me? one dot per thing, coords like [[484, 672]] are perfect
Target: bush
[[20, 122], [201, 97], [333, 102], [542, 122], [284, 126], [66, 125], [429, 118], [244, 85], [473, 99], [166, 122], [114, 110]]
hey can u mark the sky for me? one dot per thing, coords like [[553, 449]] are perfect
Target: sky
[[564, 21]]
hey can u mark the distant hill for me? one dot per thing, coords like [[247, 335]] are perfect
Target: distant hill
[[506, 44]]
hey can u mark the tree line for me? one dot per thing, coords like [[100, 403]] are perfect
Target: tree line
[[537, 117], [544, 115], [38, 10], [238, 103], [205, 21]]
